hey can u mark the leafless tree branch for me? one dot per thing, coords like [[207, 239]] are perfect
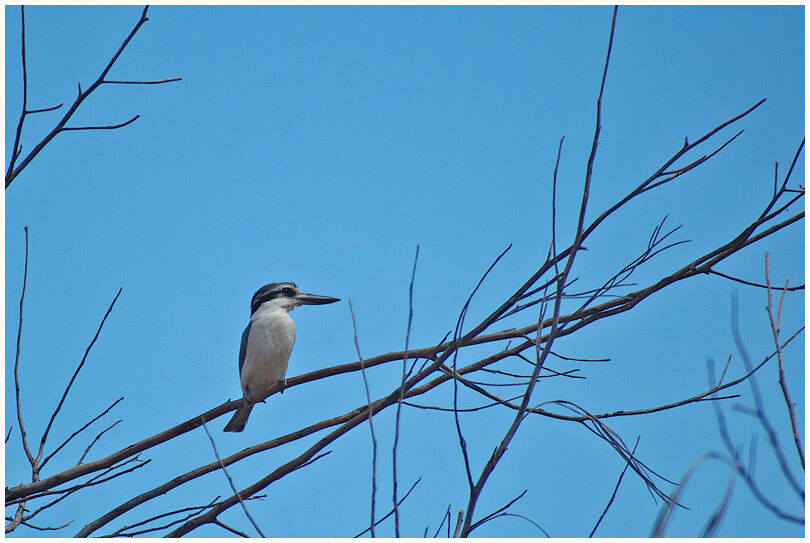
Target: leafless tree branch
[[14, 169]]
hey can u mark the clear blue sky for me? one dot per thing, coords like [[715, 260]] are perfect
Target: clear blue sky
[[321, 145]]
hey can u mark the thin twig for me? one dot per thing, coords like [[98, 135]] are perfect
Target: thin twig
[[75, 374], [770, 433], [749, 283], [615, 491], [104, 127], [98, 436], [776, 325], [30, 456], [391, 512], [370, 425], [15, 150], [230, 482], [231, 529], [401, 393], [77, 432], [153, 82]]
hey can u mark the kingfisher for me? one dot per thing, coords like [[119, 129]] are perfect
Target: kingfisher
[[267, 343]]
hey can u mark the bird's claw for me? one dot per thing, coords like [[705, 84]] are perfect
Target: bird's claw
[[283, 384]]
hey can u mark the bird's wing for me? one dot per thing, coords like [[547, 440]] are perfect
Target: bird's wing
[[243, 347]]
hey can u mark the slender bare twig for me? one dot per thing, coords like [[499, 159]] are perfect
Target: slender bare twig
[[77, 432], [14, 169], [497, 512], [230, 482], [15, 150], [95, 439], [735, 462], [73, 377], [103, 127], [48, 528], [615, 491], [749, 283], [391, 512], [456, 335], [370, 425], [445, 517], [776, 325], [770, 432], [126, 531], [231, 529], [30, 456], [401, 393], [152, 82]]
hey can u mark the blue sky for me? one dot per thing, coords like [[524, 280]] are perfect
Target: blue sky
[[322, 145]]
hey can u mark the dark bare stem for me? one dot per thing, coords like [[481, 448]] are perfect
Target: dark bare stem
[[104, 127], [776, 325], [77, 432], [401, 393], [45, 109], [152, 82], [75, 374], [370, 425], [95, 439], [758, 403], [231, 529], [127, 531], [615, 491], [391, 512], [749, 283], [15, 151], [230, 482], [30, 456]]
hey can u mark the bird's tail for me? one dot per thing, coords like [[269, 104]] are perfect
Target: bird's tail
[[239, 419]]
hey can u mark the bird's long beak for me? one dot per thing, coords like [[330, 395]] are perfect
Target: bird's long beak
[[315, 299]]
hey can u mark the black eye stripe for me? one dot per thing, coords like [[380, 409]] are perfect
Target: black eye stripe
[[269, 292]]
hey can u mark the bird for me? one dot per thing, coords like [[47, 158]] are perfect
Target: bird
[[267, 343]]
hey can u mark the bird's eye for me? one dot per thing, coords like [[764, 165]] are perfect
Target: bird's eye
[[287, 291]]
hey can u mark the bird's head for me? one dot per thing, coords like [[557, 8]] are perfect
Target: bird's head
[[286, 295]]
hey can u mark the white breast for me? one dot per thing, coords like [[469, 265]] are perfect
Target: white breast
[[270, 342]]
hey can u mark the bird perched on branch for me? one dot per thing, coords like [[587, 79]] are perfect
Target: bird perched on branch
[[267, 343]]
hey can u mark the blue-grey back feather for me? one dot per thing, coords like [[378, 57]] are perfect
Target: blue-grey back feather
[[243, 347]]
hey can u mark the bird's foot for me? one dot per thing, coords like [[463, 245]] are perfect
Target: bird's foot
[[283, 384]]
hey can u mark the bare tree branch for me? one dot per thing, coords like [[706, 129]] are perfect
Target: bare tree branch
[[13, 169]]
